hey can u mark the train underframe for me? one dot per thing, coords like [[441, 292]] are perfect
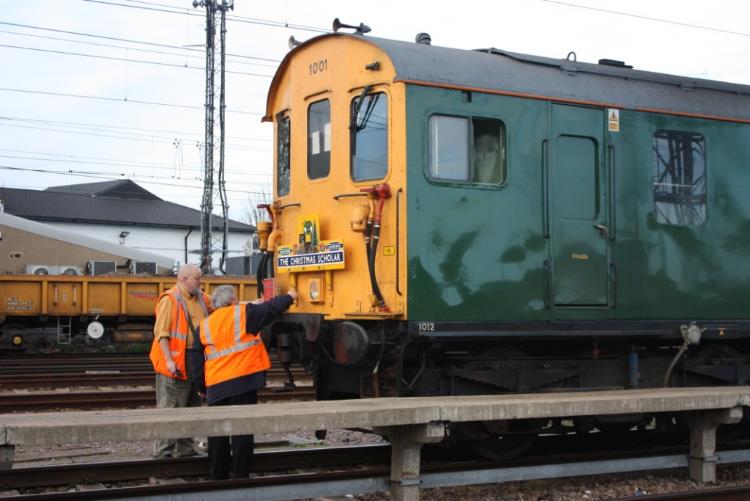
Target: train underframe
[[380, 359], [42, 332]]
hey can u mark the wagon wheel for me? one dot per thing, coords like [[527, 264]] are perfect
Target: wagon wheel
[[8, 330], [499, 440]]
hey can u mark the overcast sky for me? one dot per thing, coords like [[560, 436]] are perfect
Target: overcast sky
[[79, 90]]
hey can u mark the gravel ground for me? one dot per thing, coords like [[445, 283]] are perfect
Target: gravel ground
[[116, 451], [582, 488]]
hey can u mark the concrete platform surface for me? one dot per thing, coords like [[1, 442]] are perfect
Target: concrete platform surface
[[143, 424]]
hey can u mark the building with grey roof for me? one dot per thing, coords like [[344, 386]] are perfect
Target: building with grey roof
[[125, 214]]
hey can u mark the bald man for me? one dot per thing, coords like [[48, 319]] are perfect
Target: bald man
[[179, 311]]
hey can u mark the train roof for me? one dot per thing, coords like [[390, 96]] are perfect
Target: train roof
[[502, 72]]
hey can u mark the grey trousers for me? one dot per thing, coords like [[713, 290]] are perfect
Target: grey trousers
[[174, 393]]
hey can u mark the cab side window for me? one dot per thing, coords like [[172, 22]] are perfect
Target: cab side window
[[282, 154], [469, 150], [679, 177], [369, 137], [319, 139]]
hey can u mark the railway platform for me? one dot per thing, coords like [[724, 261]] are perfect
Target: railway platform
[[408, 423]]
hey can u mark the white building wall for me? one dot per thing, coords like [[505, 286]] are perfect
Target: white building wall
[[163, 241]]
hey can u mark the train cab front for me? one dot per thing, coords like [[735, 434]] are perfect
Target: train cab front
[[336, 226]]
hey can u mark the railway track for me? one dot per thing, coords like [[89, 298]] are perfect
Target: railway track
[[35, 372], [124, 398], [122, 471], [274, 481], [23, 363], [98, 377], [88, 378], [63, 363]]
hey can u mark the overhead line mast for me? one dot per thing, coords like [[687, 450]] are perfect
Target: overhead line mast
[[214, 114]]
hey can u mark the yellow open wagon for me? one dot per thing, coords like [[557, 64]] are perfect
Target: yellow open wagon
[[65, 305]]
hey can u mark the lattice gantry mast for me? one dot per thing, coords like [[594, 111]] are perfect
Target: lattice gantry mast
[[214, 150]]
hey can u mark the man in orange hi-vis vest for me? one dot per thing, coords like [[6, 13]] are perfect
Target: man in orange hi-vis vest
[[178, 313], [231, 359]]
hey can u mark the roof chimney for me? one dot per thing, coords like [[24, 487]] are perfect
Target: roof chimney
[[423, 38], [615, 63]]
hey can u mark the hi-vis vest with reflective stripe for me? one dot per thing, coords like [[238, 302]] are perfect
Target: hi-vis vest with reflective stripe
[[230, 352], [178, 335]]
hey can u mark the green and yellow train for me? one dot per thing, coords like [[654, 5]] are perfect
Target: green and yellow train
[[463, 222]]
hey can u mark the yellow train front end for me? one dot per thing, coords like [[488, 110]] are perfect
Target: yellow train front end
[[337, 224], [338, 215]]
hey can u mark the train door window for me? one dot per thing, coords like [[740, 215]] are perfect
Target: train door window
[[449, 149], [679, 177], [369, 137], [467, 149], [319, 139], [282, 154]]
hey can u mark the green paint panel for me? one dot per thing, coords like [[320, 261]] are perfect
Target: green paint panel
[[485, 252], [476, 248]]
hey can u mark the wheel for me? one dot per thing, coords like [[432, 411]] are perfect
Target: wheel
[[498, 440], [13, 336]]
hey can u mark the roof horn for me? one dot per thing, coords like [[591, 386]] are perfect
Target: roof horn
[[361, 29]]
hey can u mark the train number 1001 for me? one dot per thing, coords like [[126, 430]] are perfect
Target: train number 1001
[[319, 67]]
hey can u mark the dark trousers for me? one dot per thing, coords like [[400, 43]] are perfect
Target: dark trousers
[[236, 459]]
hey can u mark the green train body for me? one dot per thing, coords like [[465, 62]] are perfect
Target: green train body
[[546, 224], [510, 251]]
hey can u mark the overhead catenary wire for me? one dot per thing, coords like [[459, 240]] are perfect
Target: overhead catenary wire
[[649, 18], [126, 48], [117, 177], [153, 140], [111, 162], [95, 126], [130, 40], [242, 19], [125, 175], [121, 100], [129, 163], [127, 60]]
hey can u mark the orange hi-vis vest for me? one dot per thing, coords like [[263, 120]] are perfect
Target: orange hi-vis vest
[[178, 335], [229, 351]]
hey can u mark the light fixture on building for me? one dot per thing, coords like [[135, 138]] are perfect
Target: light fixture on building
[[123, 235]]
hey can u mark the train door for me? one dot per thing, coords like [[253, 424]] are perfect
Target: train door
[[577, 208]]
